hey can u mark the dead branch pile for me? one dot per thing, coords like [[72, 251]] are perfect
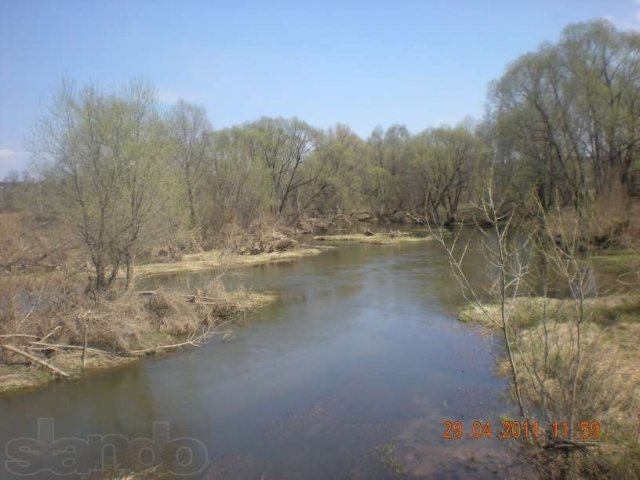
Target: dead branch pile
[[258, 239], [62, 330]]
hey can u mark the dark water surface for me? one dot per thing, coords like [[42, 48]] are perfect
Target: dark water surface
[[349, 375]]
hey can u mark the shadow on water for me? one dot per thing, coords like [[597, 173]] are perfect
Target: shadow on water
[[361, 351]]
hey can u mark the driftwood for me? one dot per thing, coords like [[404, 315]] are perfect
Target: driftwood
[[58, 346], [46, 337], [419, 221], [566, 445], [34, 359], [147, 351], [19, 335], [193, 340], [186, 296]]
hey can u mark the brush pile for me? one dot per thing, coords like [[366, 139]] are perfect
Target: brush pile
[[48, 331], [258, 239]]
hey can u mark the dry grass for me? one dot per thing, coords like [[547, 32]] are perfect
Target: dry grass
[[608, 388], [259, 238], [51, 316], [221, 259], [21, 377], [611, 224], [30, 244], [382, 238]]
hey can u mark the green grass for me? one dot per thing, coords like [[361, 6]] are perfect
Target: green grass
[[529, 311], [21, 377], [617, 261]]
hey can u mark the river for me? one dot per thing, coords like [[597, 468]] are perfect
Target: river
[[349, 375]]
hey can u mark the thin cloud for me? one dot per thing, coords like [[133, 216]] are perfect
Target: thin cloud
[[630, 23], [12, 160], [170, 97], [7, 153]]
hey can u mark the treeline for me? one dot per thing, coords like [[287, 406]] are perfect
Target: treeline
[[562, 130]]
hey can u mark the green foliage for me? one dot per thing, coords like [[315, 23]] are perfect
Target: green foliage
[[566, 117], [104, 157]]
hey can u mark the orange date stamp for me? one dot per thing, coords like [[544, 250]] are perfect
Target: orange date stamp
[[520, 429]]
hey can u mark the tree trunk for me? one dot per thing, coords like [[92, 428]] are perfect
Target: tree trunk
[[130, 271], [101, 276]]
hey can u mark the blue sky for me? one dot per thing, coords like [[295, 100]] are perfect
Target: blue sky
[[421, 63]]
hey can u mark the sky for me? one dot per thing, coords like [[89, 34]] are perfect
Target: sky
[[364, 64]]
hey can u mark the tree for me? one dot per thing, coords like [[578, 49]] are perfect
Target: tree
[[190, 131], [444, 162], [239, 189], [387, 168], [104, 157], [335, 173], [283, 145], [571, 112]]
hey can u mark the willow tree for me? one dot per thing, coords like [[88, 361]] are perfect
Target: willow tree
[[283, 145], [386, 173], [238, 185], [572, 113], [104, 156], [445, 171], [334, 172], [190, 130]]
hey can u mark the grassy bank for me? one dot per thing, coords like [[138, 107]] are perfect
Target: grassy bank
[[221, 259], [544, 339], [620, 261], [380, 238]]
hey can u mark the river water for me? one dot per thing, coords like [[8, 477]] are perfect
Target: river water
[[348, 375]]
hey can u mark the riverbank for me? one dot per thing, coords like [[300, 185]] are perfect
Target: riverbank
[[69, 332], [80, 335], [380, 238], [224, 259], [544, 344]]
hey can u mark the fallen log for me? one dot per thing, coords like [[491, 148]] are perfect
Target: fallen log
[[48, 335], [34, 359], [58, 346], [18, 335], [146, 351], [187, 296]]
